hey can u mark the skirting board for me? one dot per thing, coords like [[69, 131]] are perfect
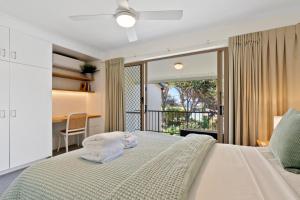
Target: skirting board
[[19, 167]]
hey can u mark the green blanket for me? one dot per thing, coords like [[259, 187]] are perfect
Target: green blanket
[[160, 167]]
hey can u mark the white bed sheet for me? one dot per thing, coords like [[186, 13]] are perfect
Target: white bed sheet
[[243, 173], [293, 180]]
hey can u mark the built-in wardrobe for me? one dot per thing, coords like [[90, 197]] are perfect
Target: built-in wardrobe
[[25, 99]]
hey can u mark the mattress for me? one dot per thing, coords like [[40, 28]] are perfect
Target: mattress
[[228, 172], [160, 167], [243, 173]]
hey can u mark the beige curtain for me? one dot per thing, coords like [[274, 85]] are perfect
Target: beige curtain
[[263, 79], [114, 103]]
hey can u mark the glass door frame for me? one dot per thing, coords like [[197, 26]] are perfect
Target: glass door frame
[[222, 94], [222, 88], [143, 89]]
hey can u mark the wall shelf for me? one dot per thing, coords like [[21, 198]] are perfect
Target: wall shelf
[[67, 90], [79, 78], [70, 74], [71, 80]]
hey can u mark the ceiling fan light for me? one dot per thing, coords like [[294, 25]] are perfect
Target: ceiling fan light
[[126, 19], [178, 66]]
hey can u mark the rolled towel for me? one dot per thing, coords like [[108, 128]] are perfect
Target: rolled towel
[[104, 155], [99, 146], [130, 141], [102, 139], [131, 145], [127, 134]]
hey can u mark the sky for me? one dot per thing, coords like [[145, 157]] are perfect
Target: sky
[[174, 93]]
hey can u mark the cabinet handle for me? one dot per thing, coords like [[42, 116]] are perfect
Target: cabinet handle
[[13, 113], [14, 55], [2, 114], [4, 53]]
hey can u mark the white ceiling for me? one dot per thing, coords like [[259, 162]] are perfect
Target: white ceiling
[[105, 34], [199, 66]]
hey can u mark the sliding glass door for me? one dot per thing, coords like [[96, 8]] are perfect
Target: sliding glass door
[[161, 98]]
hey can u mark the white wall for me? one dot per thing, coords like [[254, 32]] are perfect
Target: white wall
[[96, 101], [64, 103], [208, 37], [27, 28], [200, 66], [154, 97], [215, 35]]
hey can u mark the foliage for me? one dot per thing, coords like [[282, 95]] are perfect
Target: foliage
[[173, 118], [205, 122], [164, 95], [192, 93], [195, 95], [88, 68]]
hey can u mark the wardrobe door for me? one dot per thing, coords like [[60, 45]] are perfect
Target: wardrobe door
[[4, 43], [30, 115], [4, 116], [29, 50]]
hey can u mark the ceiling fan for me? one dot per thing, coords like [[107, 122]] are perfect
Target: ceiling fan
[[126, 17]]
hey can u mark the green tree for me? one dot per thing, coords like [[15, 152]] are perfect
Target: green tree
[[205, 122], [192, 93], [164, 87], [195, 95]]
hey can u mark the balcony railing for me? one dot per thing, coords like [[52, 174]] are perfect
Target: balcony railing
[[174, 121]]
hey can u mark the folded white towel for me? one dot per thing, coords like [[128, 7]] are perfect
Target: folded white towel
[[103, 147], [104, 154]]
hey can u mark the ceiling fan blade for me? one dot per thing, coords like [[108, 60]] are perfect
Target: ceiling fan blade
[[161, 15], [131, 34], [88, 17], [123, 4]]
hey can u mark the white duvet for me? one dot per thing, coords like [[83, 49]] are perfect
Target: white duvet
[[243, 173]]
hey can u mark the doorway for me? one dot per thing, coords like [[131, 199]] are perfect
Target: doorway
[[150, 102]]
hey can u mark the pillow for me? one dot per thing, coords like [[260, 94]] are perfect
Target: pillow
[[285, 141], [275, 139]]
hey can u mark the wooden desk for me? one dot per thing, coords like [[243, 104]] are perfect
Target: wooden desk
[[63, 118], [261, 143]]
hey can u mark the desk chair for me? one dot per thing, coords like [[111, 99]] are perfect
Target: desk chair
[[76, 125]]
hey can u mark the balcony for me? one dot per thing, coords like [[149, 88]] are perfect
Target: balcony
[[176, 122], [177, 101]]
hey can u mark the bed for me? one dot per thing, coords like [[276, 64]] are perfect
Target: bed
[[162, 167]]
